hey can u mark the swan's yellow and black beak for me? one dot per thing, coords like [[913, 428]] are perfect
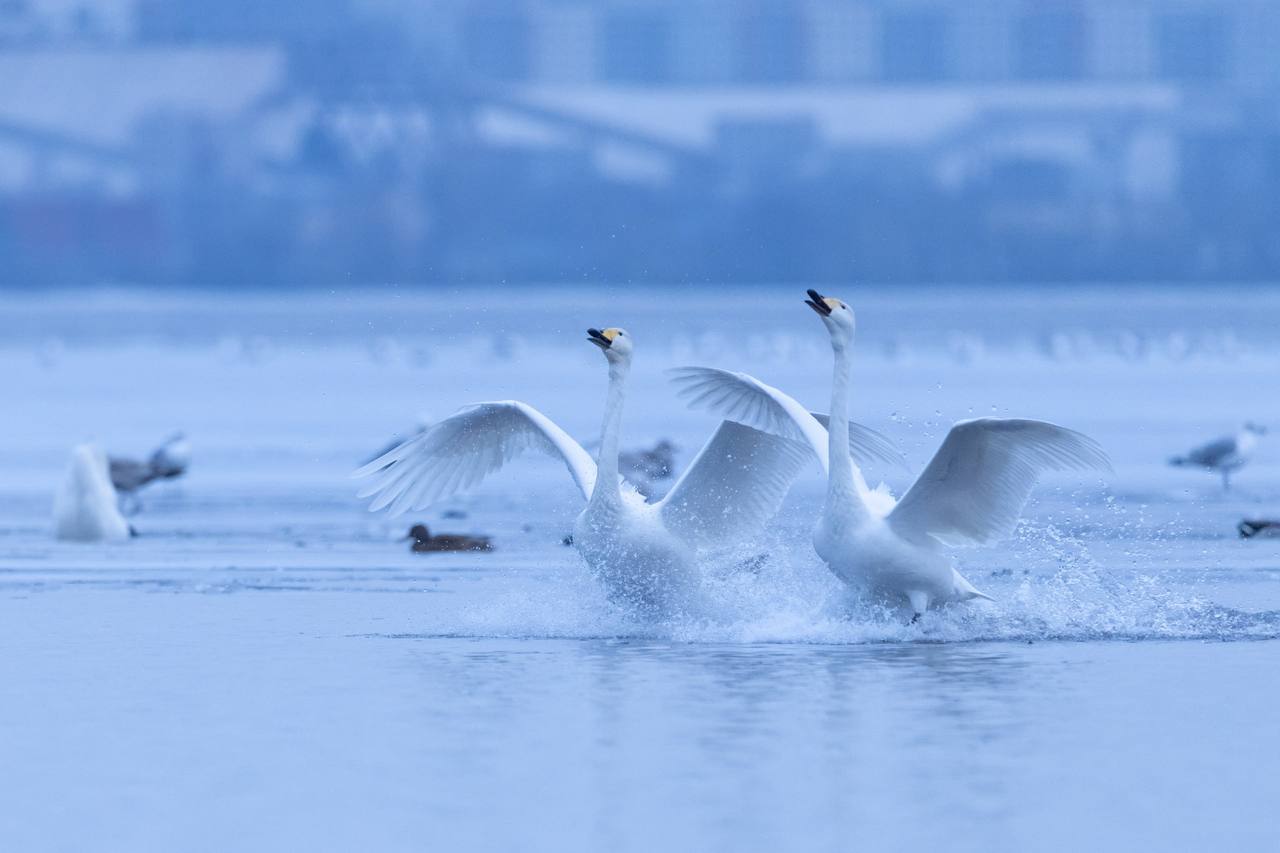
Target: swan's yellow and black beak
[[818, 302], [604, 339]]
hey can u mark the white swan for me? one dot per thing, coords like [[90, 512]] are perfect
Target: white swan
[[642, 553], [86, 508], [971, 492]]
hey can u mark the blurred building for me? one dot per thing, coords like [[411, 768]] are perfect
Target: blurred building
[[884, 42], [375, 140]]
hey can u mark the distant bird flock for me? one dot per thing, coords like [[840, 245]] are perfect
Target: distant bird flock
[[644, 550]]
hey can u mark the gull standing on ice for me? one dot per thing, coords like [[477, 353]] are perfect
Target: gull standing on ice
[[1224, 455], [642, 553], [86, 508], [971, 492]]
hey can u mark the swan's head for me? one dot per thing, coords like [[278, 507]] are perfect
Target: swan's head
[[1256, 429], [836, 316], [615, 343]]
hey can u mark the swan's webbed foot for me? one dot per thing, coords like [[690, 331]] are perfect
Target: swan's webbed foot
[[919, 602]]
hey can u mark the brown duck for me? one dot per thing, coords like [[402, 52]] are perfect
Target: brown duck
[[425, 543]]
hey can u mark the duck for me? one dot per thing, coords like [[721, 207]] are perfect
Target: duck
[[1260, 528], [425, 543]]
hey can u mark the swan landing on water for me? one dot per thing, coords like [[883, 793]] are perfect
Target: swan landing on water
[[642, 553], [86, 509], [971, 493]]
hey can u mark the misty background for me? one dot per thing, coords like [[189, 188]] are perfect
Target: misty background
[[249, 143]]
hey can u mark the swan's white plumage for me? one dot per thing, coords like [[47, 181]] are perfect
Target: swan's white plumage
[[460, 451], [971, 492], [743, 398], [86, 508], [867, 445], [643, 554], [733, 487], [977, 483]]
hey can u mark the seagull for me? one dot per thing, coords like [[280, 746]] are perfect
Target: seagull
[[1224, 455], [170, 460], [971, 493], [643, 554], [86, 508]]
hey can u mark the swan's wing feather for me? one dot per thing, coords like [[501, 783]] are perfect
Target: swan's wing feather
[[976, 485], [734, 486], [966, 591], [867, 445], [742, 398], [460, 451]]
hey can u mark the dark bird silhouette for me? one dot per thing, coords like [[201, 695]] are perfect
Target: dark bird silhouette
[[645, 469], [425, 543], [169, 461], [1259, 527]]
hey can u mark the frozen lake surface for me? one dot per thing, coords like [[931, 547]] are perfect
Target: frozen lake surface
[[267, 667]]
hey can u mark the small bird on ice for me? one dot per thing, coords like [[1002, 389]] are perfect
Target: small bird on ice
[[86, 508], [1225, 455]]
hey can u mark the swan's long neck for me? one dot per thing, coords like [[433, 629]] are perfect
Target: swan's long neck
[[606, 488], [844, 498]]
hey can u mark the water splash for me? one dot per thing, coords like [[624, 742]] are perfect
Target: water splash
[[790, 597]]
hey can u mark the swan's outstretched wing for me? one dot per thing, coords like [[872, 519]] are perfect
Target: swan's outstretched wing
[[975, 486], [463, 449], [743, 398], [867, 445], [734, 485]]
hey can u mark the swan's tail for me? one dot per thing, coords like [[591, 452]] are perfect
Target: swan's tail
[[1179, 461], [966, 591]]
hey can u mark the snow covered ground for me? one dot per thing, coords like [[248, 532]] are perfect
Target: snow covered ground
[[266, 667]]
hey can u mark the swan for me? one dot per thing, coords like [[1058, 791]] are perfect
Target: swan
[[970, 493], [643, 554], [86, 508]]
